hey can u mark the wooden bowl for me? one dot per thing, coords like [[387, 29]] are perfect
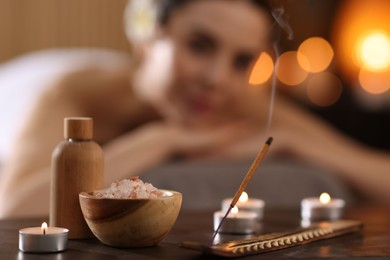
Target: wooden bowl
[[130, 223]]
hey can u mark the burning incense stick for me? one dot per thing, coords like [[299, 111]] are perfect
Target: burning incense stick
[[260, 156]]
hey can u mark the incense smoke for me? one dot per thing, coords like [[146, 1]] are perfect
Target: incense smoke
[[279, 25]]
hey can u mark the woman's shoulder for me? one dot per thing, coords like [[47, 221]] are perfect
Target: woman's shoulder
[[92, 81], [95, 78], [37, 75]]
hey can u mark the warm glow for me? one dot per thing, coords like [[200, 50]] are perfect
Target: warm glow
[[44, 227], [324, 251], [288, 69], [243, 197], [262, 70], [325, 198], [234, 210], [374, 82], [354, 22], [317, 54], [373, 51], [324, 89]]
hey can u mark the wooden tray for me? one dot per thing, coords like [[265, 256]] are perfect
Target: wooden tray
[[276, 241]]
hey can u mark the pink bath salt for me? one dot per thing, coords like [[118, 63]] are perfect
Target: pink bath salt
[[133, 188]]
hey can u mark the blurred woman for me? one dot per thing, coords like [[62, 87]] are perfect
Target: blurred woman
[[185, 93]]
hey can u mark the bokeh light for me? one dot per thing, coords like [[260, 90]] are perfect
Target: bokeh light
[[355, 20], [373, 51], [324, 89], [262, 70], [374, 82], [318, 53], [289, 70]]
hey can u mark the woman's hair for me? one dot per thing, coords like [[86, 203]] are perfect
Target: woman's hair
[[160, 11], [167, 7]]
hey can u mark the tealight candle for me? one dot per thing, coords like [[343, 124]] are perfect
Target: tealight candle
[[237, 222], [247, 204], [43, 239], [322, 208]]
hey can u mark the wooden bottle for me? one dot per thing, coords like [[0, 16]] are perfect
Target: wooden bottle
[[77, 165]]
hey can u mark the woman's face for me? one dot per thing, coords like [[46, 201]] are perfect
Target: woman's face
[[215, 44]]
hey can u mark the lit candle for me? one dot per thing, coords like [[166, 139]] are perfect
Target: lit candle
[[322, 208], [43, 239], [247, 204], [237, 222]]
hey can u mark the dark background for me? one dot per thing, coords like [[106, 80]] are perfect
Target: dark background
[[350, 115]]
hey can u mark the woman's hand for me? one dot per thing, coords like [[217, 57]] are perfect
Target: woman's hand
[[230, 140]]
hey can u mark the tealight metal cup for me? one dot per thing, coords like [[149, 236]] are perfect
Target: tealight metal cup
[[42, 243]]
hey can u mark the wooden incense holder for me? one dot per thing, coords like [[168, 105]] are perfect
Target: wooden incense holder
[[276, 241]]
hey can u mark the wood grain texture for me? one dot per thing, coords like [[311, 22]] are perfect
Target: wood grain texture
[[372, 242], [276, 241], [27, 26], [131, 223], [78, 128], [76, 167]]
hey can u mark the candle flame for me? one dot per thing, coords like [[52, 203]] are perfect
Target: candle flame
[[234, 210], [324, 198], [243, 197], [44, 227]]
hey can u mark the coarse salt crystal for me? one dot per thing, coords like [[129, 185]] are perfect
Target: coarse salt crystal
[[133, 188]]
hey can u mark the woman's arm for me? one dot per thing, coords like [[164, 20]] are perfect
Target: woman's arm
[[137, 151], [310, 139], [154, 143], [305, 137]]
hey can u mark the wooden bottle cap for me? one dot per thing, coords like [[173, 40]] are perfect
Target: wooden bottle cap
[[78, 128]]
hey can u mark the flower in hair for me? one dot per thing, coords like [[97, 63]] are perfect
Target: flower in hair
[[140, 20]]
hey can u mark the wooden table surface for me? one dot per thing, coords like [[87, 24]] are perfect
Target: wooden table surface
[[372, 242]]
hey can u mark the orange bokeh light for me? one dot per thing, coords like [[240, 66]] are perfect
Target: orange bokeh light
[[373, 51], [374, 82], [262, 70], [289, 70], [324, 89], [318, 53], [355, 20]]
